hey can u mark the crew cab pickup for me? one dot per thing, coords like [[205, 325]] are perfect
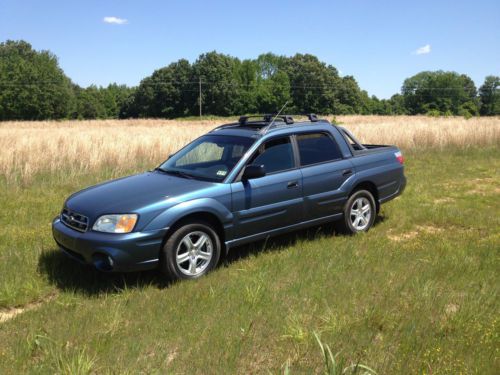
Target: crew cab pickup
[[239, 183]]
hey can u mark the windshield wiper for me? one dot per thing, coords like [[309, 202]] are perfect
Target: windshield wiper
[[159, 169], [174, 172]]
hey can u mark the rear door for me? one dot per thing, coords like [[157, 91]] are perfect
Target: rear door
[[273, 201], [324, 173]]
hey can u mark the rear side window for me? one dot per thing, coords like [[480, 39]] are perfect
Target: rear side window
[[317, 148], [276, 155]]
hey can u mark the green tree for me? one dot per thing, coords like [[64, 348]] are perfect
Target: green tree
[[313, 84], [221, 88], [100, 102], [168, 92], [445, 92], [375, 106], [89, 103], [128, 107], [32, 86], [246, 78], [272, 84], [397, 105], [113, 98], [489, 94], [350, 99]]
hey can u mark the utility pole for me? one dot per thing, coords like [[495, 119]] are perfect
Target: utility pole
[[200, 96]]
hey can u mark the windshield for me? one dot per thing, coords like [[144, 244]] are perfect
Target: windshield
[[210, 157]]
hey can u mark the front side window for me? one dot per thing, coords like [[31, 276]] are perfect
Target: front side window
[[317, 148], [276, 155], [210, 157]]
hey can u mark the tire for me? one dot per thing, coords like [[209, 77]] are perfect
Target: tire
[[360, 211], [184, 257]]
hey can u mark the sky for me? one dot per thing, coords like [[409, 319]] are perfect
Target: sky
[[379, 42]]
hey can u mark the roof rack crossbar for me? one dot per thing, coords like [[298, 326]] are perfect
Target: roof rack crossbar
[[268, 121], [243, 120]]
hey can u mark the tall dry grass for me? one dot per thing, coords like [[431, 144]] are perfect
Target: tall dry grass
[[419, 132], [27, 148]]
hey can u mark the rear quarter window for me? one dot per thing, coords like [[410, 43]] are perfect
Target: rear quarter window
[[317, 148]]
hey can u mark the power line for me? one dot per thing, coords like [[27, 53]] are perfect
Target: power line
[[215, 83]]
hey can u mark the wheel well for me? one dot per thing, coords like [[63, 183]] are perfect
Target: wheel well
[[370, 186], [199, 216]]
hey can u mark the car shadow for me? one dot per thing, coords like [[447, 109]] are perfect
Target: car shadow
[[68, 275], [288, 239], [71, 276]]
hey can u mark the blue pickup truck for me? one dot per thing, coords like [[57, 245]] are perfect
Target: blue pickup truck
[[239, 183]]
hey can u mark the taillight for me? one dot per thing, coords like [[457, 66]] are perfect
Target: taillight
[[399, 156]]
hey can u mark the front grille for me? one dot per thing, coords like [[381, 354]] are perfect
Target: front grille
[[74, 220]]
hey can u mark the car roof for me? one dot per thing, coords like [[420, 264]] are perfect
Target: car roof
[[259, 129]]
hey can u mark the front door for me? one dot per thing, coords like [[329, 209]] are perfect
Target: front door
[[273, 201]]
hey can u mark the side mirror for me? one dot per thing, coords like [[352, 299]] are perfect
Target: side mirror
[[253, 171]]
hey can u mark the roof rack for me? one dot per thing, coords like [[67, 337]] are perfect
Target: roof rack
[[267, 122], [266, 118]]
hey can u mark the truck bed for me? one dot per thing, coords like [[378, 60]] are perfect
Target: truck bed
[[372, 149]]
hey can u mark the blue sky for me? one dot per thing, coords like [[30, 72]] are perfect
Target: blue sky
[[375, 41]]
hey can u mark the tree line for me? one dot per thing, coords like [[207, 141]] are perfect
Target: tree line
[[34, 87]]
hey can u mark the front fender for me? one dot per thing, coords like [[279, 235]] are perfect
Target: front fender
[[203, 205]]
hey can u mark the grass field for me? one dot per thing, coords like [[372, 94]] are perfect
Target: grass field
[[416, 294]]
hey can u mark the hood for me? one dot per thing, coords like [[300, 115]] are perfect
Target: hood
[[143, 193]]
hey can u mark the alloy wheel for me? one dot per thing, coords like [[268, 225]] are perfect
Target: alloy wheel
[[194, 253], [361, 212]]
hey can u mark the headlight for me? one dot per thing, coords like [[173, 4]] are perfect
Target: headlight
[[115, 223]]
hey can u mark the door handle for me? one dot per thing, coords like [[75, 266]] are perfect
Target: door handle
[[346, 172], [292, 184]]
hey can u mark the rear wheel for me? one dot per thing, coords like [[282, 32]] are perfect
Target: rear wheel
[[190, 252], [359, 212]]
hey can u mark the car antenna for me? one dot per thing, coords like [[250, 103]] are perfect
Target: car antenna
[[275, 117]]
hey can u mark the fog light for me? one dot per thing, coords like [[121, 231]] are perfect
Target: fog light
[[103, 262]]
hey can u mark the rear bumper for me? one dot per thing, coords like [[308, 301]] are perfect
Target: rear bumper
[[134, 251], [398, 192], [402, 185]]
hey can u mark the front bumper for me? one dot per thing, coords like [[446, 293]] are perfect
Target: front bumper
[[134, 251]]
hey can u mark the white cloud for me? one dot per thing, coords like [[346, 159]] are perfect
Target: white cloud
[[115, 20], [424, 50]]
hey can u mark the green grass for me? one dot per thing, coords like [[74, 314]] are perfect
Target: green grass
[[416, 294]]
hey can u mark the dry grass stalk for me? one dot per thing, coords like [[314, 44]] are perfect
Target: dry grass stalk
[[27, 148]]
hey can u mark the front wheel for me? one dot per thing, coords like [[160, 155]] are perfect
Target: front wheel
[[190, 252], [359, 212]]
